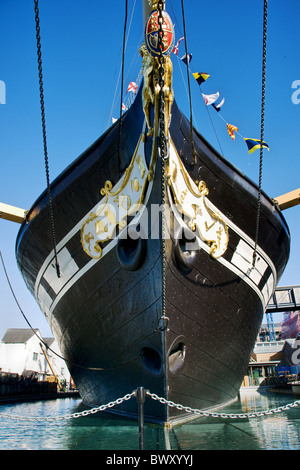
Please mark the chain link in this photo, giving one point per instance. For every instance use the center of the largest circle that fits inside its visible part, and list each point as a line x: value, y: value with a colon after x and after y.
x: 163, y: 148
x: 163, y: 401
x: 111, y: 404
x: 187, y: 409
x: 262, y: 126
x: 42, y: 103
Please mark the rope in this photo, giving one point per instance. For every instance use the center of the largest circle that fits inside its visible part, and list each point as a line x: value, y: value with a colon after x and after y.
x: 263, y: 96
x: 117, y: 82
x: 40, y: 69
x: 41, y: 340
x: 122, y: 80
x: 189, y: 87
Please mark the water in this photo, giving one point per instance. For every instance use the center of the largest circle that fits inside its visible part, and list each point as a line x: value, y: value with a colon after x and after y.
x: 103, y: 431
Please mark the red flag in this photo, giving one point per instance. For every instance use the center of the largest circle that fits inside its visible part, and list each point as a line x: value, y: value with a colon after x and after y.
x: 132, y: 87
x: 231, y: 130
x: 175, y: 50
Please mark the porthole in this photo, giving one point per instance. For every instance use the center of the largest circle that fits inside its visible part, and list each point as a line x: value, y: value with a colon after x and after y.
x: 151, y: 360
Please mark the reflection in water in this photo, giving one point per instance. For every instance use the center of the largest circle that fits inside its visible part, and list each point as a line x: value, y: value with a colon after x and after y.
x: 103, y: 431
x: 277, y: 431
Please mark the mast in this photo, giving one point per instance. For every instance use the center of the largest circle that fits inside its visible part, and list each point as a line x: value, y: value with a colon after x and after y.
x: 147, y: 8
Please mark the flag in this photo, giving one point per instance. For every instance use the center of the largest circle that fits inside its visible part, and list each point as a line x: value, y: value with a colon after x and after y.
x: 218, y: 106
x: 124, y: 108
x: 186, y: 58
x: 254, y: 144
x: 132, y: 87
x: 200, y: 77
x: 231, y: 130
x: 175, y: 50
x: 209, y: 99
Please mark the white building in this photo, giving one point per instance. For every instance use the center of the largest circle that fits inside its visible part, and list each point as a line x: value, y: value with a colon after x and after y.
x: 21, y: 351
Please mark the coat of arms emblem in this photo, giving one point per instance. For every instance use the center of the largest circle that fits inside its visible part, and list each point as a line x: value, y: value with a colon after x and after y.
x: 152, y: 34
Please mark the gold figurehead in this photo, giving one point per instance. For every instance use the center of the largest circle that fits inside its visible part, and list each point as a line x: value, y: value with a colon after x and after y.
x: 151, y: 87
x: 152, y: 61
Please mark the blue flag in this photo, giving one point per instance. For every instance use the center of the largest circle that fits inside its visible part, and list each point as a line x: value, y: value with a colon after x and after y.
x: 254, y: 144
x: 186, y: 58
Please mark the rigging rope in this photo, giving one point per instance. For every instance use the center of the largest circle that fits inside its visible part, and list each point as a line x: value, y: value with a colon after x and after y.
x: 263, y: 97
x: 40, y: 69
x: 42, y: 341
x: 189, y: 87
x: 108, y: 124
x: 122, y: 81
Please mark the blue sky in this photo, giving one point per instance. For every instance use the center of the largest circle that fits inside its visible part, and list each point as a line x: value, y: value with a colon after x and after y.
x: 82, y: 50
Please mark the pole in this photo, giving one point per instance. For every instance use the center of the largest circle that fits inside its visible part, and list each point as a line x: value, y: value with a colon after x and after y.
x: 140, y: 395
x: 55, y: 376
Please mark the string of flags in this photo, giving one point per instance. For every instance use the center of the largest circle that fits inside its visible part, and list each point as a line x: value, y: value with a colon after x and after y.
x: 175, y: 50
x: 254, y: 144
x: 132, y: 87
x: 210, y: 100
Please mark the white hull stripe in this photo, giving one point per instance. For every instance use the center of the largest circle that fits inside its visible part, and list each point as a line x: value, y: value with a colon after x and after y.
x: 240, y: 264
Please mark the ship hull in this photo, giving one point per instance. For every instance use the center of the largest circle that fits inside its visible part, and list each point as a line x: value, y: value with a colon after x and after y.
x: 167, y: 316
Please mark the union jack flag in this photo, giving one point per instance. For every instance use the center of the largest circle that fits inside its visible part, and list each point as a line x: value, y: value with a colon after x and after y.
x: 132, y: 87
x: 175, y: 50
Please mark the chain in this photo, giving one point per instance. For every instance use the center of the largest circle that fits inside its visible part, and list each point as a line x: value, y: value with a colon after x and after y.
x: 73, y: 415
x: 163, y: 401
x: 40, y: 69
x: 162, y: 135
x: 162, y: 146
x: 187, y: 409
x: 263, y: 98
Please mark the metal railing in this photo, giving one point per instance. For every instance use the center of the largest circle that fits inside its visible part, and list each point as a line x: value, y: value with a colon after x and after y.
x: 141, y: 394
x: 284, y: 299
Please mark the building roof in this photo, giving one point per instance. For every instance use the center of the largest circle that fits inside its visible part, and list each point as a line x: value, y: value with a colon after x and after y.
x: 268, y: 347
x: 18, y: 335
x: 48, y: 341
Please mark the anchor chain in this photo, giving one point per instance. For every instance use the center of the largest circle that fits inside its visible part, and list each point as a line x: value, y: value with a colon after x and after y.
x: 162, y: 146
x: 42, y: 103
x: 263, y: 99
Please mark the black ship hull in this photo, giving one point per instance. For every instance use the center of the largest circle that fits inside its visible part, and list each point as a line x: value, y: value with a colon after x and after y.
x: 169, y: 316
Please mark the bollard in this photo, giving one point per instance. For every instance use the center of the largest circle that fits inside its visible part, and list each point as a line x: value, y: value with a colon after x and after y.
x: 140, y: 395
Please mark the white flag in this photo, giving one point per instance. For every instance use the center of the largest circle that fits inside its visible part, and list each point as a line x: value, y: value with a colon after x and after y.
x: 209, y: 99
x: 132, y: 87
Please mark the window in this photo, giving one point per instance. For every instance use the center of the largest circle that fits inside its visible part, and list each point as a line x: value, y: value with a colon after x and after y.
x: 35, y: 356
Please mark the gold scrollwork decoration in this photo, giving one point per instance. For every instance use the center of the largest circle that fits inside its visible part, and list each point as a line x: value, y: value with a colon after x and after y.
x: 117, y: 203
x: 191, y: 200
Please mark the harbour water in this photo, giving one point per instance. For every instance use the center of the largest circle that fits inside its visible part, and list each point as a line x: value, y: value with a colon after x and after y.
x: 103, y: 431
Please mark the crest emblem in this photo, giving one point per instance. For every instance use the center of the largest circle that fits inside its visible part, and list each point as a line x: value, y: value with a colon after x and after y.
x: 152, y: 31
